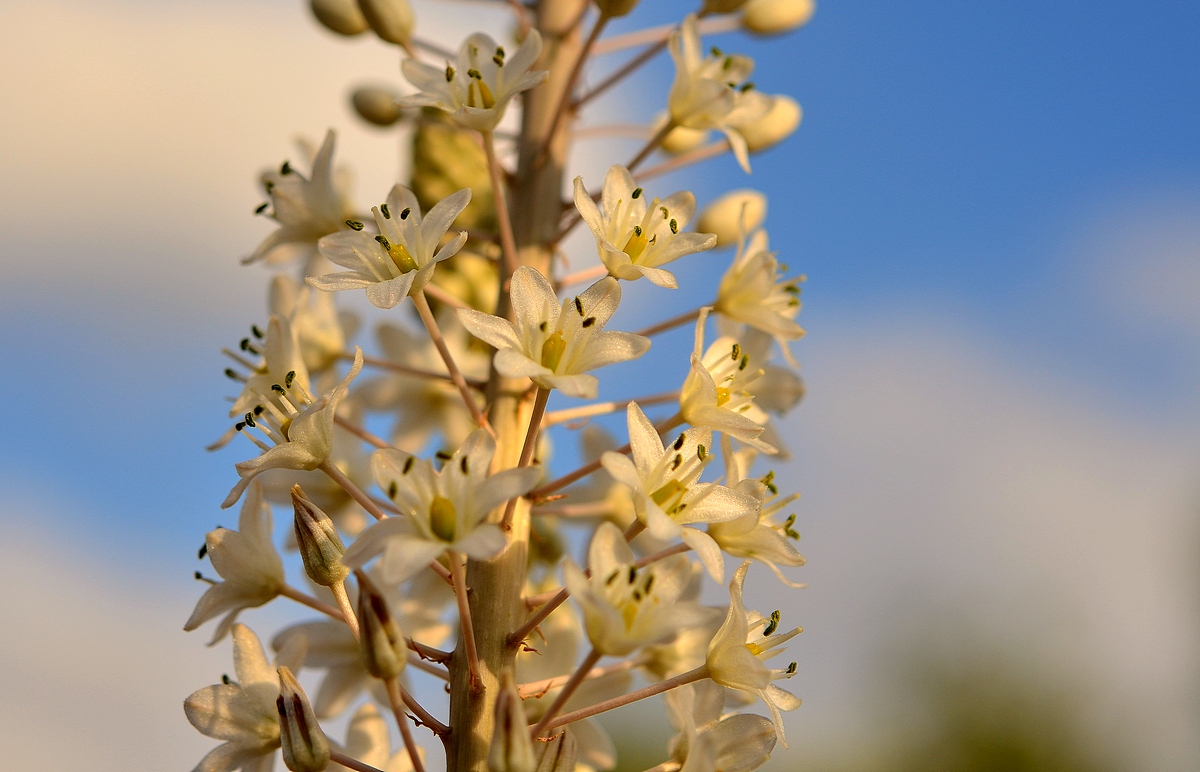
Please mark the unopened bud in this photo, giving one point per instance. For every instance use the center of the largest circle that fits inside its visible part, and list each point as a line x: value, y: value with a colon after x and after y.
x: 392, y: 20
x: 559, y: 754
x: 320, y: 546
x: 341, y: 16
x: 774, y: 17
x: 722, y: 6
x: 384, y: 650
x: 733, y: 213
x: 305, y: 746
x: 614, y: 8
x: 376, y: 105
x: 511, y: 750
x: 777, y: 125
x: 681, y: 139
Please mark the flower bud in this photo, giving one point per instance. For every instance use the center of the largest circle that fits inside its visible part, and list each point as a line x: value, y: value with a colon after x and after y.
x: 376, y: 105
x: 320, y: 546
x: 305, y: 746
x: 384, y: 650
x: 511, y: 750
x: 559, y: 754
x: 733, y: 213
x: 722, y: 6
x: 774, y: 17
x: 777, y: 125
x: 392, y: 20
x: 341, y: 16
x: 681, y: 139
x: 614, y: 8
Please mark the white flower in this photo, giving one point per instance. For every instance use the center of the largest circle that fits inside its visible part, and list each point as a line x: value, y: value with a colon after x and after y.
x: 280, y: 361
x: 402, y: 257
x: 478, y: 87
x: 738, y: 650
x: 624, y: 607
x: 756, y: 536
x: 444, y: 511
x: 634, y: 237
x: 686, y: 651
x: 712, y: 92
x: 733, y: 214
x: 306, y: 209
x: 424, y: 407
x: 303, y: 437
x: 417, y: 607
x: 667, y: 492
x: 717, y: 392
x: 552, y: 344
x: 241, y: 712
x: 706, y: 741
x: 314, y: 319
x: 246, y: 559
x: 753, y: 292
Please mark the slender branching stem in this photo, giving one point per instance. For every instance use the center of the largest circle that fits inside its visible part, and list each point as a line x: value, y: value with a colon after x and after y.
x: 414, y: 754
x: 642, y: 37
x: 683, y: 160
x: 428, y: 652
x: 343, y: 600
x: 604, y: 408
x: 587, y: 274
x: 362, y: 433
x: 621, y: 73
x: 670, y: 324
x: 437, y: 671
x: 650, y: 146
x: 527, y: 450
x: 458, y: 574
x: 539, y: 688
x: 396, y: 367
x: 662, y: 686
x: 439, y: 342
x: 564, y: 102
x: 304, y: 598
x: 398, y: 696
x: 352, y: 490
x: 444, y: 297
x: 508, y: 243
x: 583, y: 509
x: 350, y: 763
x: 572, y: 684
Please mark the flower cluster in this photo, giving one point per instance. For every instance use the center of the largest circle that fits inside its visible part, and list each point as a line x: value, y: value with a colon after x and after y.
x: 442, y: 540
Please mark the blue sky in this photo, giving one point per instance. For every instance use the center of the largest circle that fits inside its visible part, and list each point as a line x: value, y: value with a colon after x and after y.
x: 999, y: 195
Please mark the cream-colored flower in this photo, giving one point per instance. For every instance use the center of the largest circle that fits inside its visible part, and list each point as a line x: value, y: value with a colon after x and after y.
x: 718, y: 391
x: 667, y: 493
x: 477, y: 88
x: 756, y: 535
x: 625, y: 607
x: 246, y: 559
x: 707, y: 741
x: 302, y: 430
x: 737, y: 653
x: 713, y: 92
x: 733, y: 214
x: 556, y: 344
x: 280, y: 360
x: 441, y: 511
x: 305, y: 208
x: 242, y: 712
x: 367, y: 740
x: 635, y: 237
x: 754, y: 292
x: 766, y: 131
x: 687, y: 650
x: 773, y: 17
x: 314, y: 320
x: 402, y: 257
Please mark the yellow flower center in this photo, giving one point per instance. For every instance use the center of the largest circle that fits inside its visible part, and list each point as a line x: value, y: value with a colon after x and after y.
x: 636, y: 244
x: 478, y: 93
x: 443, y: 519
x: 672, y: 489
x: 552, y: 350
x: 402, y: 258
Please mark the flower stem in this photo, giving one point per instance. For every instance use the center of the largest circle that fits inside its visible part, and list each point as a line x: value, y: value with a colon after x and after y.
x: 350, y: 763
x: 711, y: 150
x: 603, y: 408
x: 621, y: 73
x: 435, y: 333
x: 396, y: 367
x: 508, y: 244
x: 662, y: 686
x: 343, y: 601
x: 399, y: 698
x: 538, y: 688
x: 572, y: 684
x: 672, y: 323
x: 356, y: 493
x: 650, y: 146
x: 459, y: 575
x: 579, y: 277
x: 303, y: 598
x: 662, y: 32
x: 527, y: 450
x: 362, y: 433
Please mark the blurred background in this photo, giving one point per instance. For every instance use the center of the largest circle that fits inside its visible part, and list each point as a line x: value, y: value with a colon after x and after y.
x: 997, y: 205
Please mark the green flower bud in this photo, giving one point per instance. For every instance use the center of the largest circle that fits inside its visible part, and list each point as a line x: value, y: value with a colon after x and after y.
x: 511, y: 749
x: 384, y: 650
x: 392, y: 20
x: 305, y: 746
x: 774, y: 17
x: 376, y: 105
x: 320, y: 546
x: 340, y: 16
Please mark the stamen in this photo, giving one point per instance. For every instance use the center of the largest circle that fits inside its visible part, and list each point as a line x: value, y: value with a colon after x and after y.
x: 405, y: 213
x: 261, y: 207
x: 286, y: 168
x: 463, y: 465
x: 241, y: 427
x: 392, y: 489
x: 701, y: 452
x: 449, y: 73
x: 579, y: 305
x: 674, y: 226
x: 679, y: 442
x: 355, y: 225
x: 203, y: 551
x: 589, y: 321
x: 637, y: 193
x: 386, y: 214
x: 408, y: 464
